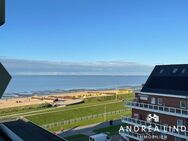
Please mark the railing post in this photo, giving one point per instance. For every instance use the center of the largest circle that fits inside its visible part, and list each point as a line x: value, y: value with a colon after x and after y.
x: 158, y: 108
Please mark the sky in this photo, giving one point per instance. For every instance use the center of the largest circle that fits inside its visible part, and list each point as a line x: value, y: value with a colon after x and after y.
x: 141, y: 33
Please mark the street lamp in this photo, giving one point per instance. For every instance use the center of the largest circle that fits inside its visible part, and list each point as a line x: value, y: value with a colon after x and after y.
x: 2, y: 12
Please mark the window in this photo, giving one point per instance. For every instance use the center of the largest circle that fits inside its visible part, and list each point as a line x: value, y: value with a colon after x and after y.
x: 178, y: 139
x: 142, y: 97
x: 183, y: 71
x: 161, y: 71
x: 136, y: 115
x: 182, y: 104
x: 153, y: 100
x: 160, y: 101
x: 179, y: 122
x: 175, y: 70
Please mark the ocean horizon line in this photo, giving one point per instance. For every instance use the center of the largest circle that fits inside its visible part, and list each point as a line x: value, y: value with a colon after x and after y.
x: 78, y: 75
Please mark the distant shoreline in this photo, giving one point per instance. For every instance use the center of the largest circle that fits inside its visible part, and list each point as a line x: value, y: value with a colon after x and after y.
x: 76, y: 75
x: 58, y: 91
x: 63, y: 99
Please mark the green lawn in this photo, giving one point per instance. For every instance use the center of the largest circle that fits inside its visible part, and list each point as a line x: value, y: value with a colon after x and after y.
x: 111, y: 130
x: 91, y: 121
x: 42, y: 114
x: 23, y: 109
x: 47, y: 118
x: 38, y: 109
x: 92, y: 107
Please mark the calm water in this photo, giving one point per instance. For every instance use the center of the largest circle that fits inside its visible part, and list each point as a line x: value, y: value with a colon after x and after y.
x: 24, y: 84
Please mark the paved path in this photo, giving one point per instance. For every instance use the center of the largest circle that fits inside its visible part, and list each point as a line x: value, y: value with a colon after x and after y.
x: 88, y: 130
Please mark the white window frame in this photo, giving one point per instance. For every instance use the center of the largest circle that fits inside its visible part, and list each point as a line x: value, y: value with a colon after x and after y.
x: 158, y: 101
x: 143, y: 97
x: 153, y: 100
x: 181, y: 104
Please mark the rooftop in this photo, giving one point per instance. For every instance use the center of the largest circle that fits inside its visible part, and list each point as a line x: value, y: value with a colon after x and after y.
x: 168, y: 79
x: 27, y: 131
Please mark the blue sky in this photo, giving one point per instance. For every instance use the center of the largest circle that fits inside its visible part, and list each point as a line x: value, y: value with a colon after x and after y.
x: 145, y: 32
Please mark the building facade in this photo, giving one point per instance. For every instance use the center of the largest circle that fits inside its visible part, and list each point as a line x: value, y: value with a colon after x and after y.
x: 160, y: 109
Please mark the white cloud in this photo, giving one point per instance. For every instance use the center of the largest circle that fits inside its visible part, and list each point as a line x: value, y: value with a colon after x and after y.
x: 29, y: 67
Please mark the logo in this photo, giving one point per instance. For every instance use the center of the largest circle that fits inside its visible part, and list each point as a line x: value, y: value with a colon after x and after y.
x: 152, y: 117
x: 148, y: 131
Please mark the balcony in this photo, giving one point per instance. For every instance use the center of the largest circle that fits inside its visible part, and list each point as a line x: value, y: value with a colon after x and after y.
x: 132, y: 135
x: 162, y: 128
x: 158, y: 109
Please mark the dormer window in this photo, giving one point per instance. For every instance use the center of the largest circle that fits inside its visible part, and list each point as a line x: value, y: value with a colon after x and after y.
x: 161, y: 71
x: 175, y: 70
x: 184, y: 70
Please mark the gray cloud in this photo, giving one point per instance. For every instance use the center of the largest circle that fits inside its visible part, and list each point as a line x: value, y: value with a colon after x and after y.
x: 29, y: 67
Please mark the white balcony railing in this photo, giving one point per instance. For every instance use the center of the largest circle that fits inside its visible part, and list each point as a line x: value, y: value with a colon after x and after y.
x: 158, y: 109
x: 132, y: 135
x: 165, y: 129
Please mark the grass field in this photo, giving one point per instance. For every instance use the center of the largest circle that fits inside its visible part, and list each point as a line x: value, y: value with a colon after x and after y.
x: 35, y: 109
x: 111, y: 130
x: 42, y: 114
x: 23, y: 109
x: 91, y: 121
x: 75, y: 113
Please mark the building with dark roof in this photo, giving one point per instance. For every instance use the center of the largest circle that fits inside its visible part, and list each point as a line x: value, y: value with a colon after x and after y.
x: 20, y: 130
x: 162, y: 103
x: 168, y: 79
x: 5, y: 78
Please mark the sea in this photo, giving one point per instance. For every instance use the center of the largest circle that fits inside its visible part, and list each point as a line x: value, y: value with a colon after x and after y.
x: 47, y: 84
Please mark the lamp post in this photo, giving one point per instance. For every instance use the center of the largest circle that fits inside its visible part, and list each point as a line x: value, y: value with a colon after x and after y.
x: 105, y: 113
x: 2, y: 12
x: 116, y: 93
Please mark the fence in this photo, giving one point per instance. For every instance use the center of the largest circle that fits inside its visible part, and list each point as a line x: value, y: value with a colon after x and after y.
x: 76, y: 120
x: 8, y: 119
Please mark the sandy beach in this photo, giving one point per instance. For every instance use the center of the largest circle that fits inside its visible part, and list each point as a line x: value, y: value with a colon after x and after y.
x: 66, y: 98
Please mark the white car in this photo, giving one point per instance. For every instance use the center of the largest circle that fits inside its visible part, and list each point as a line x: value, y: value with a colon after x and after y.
x: 99, y: 137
